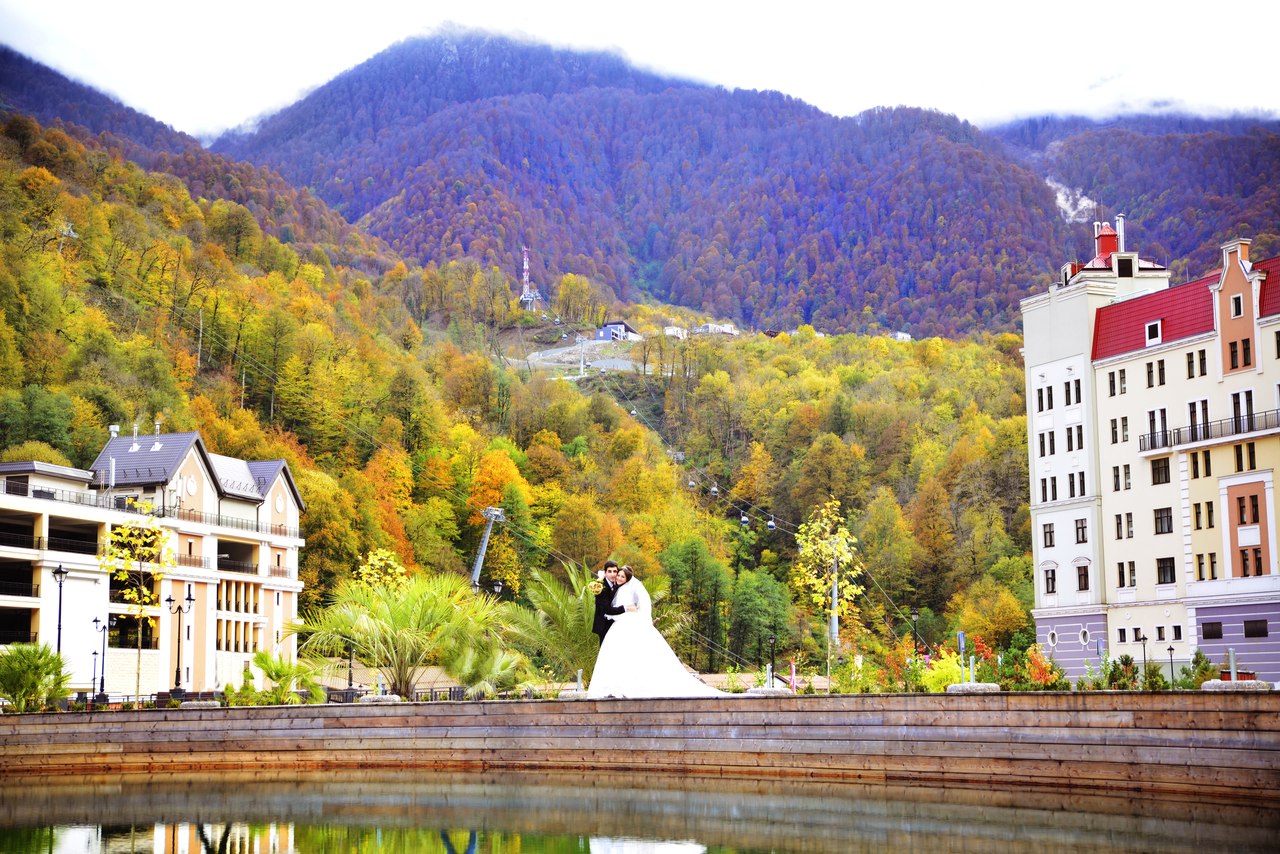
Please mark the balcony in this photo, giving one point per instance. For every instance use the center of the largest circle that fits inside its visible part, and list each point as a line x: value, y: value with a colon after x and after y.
x: 105, y: 502
x: 237, y: 566
x: 17, y: 637
x: 1258, y: 422
x: 17, y: 588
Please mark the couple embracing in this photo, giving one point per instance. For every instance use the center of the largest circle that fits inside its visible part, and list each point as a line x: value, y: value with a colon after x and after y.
x: 634, y: 659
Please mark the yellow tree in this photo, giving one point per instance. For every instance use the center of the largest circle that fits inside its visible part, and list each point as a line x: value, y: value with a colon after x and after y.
x: 137, y: 556
x: 827, y: 547
x: 989, y: 610
x: 380, y: 567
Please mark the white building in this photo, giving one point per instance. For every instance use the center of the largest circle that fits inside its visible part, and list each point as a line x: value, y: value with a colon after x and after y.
x: 231, y: 524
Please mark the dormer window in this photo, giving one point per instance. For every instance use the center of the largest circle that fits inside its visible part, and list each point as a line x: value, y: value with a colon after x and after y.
x: 1237, y: 305
x: 1124, y: 268
x: 1153, y: 333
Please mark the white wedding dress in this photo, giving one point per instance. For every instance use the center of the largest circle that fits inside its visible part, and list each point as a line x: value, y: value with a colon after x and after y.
x: 635, y: 660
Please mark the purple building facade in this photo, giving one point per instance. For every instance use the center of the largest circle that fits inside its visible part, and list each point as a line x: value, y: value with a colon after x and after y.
x: 1252, y: 629
x: 1075, y: 642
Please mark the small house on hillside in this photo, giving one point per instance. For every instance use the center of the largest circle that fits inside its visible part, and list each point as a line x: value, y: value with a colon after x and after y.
x: 617, y: 330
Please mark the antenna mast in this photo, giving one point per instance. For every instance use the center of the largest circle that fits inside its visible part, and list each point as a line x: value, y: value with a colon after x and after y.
x: 529, y: 295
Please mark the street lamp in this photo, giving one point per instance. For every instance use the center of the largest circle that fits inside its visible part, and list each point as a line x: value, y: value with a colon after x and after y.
x: 103, y: 627
x: 1143, y: 639
x: 179, y: 608
x: 915, y: 638
x: 95, y: 670
x: 1170, y: 665
x: 773, y: 640
x: 59, y: 575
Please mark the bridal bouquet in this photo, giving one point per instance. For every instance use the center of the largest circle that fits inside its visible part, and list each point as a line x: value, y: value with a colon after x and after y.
x: 597, y: 585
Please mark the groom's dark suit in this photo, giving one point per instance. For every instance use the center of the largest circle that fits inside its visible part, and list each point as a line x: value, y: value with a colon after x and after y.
x: 604, y: 606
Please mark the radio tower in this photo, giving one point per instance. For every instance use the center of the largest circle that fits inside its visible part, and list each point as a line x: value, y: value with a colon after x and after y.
x: 529, y: 296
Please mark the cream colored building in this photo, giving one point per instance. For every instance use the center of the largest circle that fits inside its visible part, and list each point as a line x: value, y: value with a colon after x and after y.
x: 232, y: 527
x: 1153, y: 431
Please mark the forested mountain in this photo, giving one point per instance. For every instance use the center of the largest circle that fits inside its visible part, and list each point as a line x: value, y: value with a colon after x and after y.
x: 747, y: 205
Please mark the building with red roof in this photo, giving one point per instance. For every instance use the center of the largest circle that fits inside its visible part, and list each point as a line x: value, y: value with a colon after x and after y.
x: 1153, y: 421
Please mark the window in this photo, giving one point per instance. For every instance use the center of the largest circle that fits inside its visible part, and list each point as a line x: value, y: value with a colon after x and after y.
x: 1253, y: 456
x: 1191, y: 365
x: 1126, y: 475
x: 1050, y: 580
x: 1164, y: 520
x: 1246, y: 350
x: 1039, y: 400
x: 1079, y: 437
x: 1076, y: 383
x: 1053, y: 488
x: 1213, y: 563
x: 1196, y: 508
x: 1153, y: 332
x: 1052, y: 638
x: 1133, y: 575
x: 1048, y: 397
x: 1111, y: 375
x: 1122, y: 637
x: 1120, y: 576
x: 1234, y: 350
x: 1208, y: 514
x: 1203, y: 361
x: 1066, y: 393
x: 1177, y: 632
x: 1160, y: 470
x: 1237, y: 305
x: 1159, y: 633
x: 1255, y: 628
x: 1151, y: 374
x: 1082, y: 532
x: 1208, y: 470
x: 1164, y: 573
x: 1253, y: 508
x: 1128, y: 526
x: 1119, y: 527
x: 1080, y: 478
x: 1211, y: 631
x: 1257, y: 561
x: 1115, y: 431
x: 1124, y: 429
x: 1082, y: 577
x: 1200, y: 567
x: 1048, y: 535
x: 1044, y: 490
x: 1195, y: 465
x: 1240, y: 508
x: 1084, y: 637
x: 1122, y: 381
x: 1115, y: 478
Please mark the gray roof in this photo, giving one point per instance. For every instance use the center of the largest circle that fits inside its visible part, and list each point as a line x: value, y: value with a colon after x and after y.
x: 150, y: 459
x: 153, y: 460
x: 52, y: 469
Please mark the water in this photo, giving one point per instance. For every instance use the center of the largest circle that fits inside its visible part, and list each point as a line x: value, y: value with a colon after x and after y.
x: 423, y: 811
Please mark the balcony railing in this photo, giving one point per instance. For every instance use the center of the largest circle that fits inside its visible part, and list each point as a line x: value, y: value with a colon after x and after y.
x: 1234, y: 426
x: 193, y: 560
x: 16, y: 588
x: 237, y: 566
x: 111, y: 502
x: 279, y: 572
x: 17, y: 637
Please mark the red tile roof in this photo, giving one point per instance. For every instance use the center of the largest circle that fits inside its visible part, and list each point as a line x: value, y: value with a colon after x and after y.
x: 1184, y: 310
x: 1269, y: 301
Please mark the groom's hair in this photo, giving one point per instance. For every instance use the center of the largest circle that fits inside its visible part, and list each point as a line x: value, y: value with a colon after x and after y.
x: 610, y: 564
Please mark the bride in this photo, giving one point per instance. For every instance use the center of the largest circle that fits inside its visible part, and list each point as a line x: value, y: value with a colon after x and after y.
x: 634, y: 659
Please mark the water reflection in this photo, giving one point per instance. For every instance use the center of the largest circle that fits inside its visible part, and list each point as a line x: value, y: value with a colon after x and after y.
x: 507, y: 813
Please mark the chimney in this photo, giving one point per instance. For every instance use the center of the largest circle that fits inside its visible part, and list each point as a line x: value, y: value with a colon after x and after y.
x: 157, y: 428
x: 135, y: 444
x: 1120, y: 230
x: 1106, y: 240
x: 1097, y: 226
x: 114, y: 430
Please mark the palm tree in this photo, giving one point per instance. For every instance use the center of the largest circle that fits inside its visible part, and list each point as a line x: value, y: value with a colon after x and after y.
x: 32, y: 676
x: 557, y: 630
x: 287, y: 679
x: 402, y: 629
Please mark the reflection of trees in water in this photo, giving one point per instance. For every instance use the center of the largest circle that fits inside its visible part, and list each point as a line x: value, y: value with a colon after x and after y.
x: 26, y: 840
x: 202, y: 831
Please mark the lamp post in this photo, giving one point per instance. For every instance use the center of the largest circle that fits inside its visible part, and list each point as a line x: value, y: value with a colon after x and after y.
x: 103, y: 627
x: 1170, y: 665
x: 1144, y: 654
x: 773, y: 640
x: 179, y: 608
x: 915, y: 638
x: 95, y: 671
x: 59, y: 575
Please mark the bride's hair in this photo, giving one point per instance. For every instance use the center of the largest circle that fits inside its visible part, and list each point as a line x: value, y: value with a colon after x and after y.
x: 628, y: 572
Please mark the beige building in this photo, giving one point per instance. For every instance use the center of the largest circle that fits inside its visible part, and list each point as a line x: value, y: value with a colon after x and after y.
x: 231, y: 527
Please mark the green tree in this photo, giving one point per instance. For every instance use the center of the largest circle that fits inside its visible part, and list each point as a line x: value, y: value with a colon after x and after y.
x: 703, y: 586
x: 32, y: 676
x: 555, y: 630
x: 433, y: 620
x: 287, y: 678
x: 761, y: 607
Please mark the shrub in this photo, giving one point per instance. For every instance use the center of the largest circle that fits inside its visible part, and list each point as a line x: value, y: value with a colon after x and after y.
x: 32, y: 677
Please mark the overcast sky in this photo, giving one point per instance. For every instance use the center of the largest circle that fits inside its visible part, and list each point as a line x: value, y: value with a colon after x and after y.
x: 205, y: 67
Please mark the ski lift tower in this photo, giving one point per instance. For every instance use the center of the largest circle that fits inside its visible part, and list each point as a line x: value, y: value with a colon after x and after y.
x: 529, y: 295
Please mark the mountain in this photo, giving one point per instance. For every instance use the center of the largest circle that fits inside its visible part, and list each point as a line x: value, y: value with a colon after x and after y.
x: 748, y: 205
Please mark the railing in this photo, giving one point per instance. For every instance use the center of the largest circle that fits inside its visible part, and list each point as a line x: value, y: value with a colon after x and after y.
x: 279, y: 572
x: 237, y: 566
x: 21, y: 541
x: 80, y: 547
x: 112, y: 502
x: 193, y: 560
x: 1234, y: 426
x: 17, y: 637
x: 15, y: 588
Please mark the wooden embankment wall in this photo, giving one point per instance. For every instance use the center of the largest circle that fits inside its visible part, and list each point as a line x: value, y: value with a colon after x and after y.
x: 1219, y: 744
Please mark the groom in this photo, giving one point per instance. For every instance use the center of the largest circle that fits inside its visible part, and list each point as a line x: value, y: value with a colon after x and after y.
x: 604, y: 601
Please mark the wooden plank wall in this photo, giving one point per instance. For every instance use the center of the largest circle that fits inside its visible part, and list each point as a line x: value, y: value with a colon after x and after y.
x: 1152, y: 742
